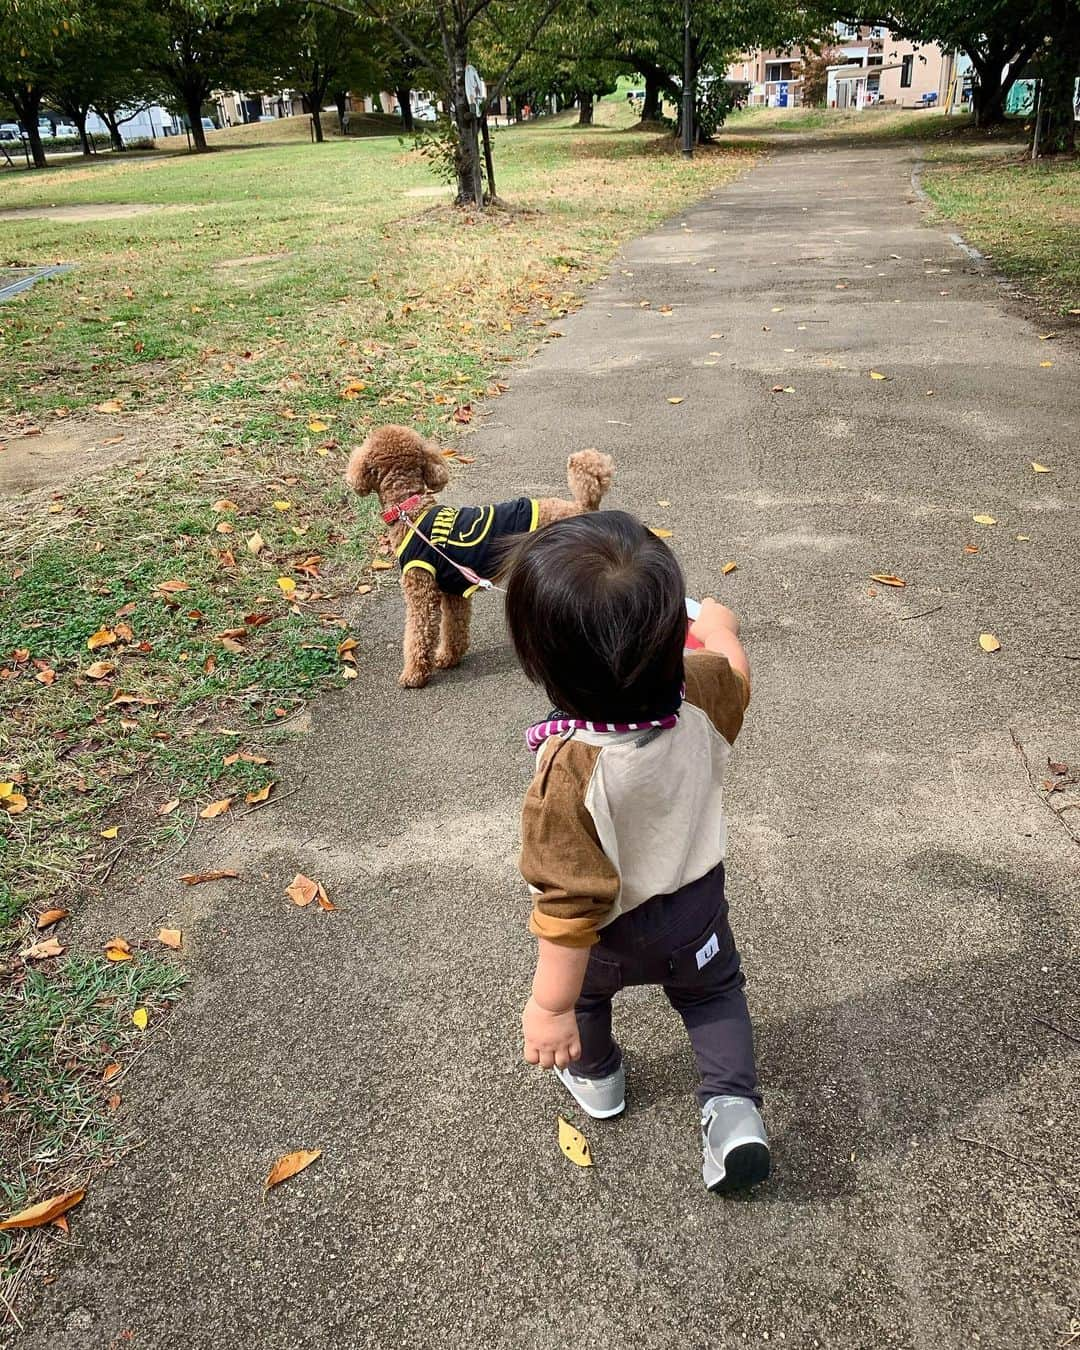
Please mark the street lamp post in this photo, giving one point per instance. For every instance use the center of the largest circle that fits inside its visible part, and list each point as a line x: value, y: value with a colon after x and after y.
x: 687, y: 86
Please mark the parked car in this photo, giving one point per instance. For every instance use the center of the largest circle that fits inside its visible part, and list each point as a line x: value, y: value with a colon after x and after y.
x: 66, y: 129
x: 10, y: 131
x: 265, y: 118
x: 208, y: 125
x: 44, y: 127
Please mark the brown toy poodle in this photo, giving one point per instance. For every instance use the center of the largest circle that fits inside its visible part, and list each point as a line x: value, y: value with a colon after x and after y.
x: 399, y: 464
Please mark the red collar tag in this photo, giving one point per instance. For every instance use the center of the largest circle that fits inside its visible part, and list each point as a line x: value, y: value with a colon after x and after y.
x: 393, y: 513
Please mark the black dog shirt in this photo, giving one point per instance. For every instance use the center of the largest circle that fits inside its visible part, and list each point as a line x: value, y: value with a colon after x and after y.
x: 465, y: 534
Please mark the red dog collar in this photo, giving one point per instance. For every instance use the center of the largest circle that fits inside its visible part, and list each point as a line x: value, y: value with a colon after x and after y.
x: 393, y: 513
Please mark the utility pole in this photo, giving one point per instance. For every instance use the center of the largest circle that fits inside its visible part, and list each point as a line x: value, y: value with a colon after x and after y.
x: 687, y: 85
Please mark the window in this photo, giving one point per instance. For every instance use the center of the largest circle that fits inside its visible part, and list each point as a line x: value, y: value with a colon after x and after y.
x: 873, y: 60
x: 905, y: 71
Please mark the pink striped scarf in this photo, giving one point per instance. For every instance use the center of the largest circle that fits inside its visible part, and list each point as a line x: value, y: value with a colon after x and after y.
x: 536, y: 735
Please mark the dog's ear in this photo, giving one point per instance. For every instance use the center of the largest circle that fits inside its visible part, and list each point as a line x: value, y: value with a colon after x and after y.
x: 434, y: 468
x: 358, y: 472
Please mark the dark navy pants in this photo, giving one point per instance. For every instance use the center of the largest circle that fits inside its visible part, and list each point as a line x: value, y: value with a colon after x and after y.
x: 682, y: 942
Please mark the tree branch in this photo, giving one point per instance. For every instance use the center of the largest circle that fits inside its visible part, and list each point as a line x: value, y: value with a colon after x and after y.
x: 501, y: 83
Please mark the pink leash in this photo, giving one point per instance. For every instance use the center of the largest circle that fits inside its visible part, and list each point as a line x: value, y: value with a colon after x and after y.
x: 402, y: 512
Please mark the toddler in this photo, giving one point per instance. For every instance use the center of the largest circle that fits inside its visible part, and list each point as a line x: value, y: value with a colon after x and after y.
x: 623, y: 826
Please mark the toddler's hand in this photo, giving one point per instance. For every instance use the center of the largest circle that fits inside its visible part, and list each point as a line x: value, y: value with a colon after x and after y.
x: 714, y: 618
x: 551, y: 1038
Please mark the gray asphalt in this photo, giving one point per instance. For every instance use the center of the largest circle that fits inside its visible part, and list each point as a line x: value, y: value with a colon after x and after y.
x: 904, y: 901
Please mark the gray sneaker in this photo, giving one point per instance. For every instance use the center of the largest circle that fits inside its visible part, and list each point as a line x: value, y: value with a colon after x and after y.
x: 734, y: 1144
x: 597, y: 1097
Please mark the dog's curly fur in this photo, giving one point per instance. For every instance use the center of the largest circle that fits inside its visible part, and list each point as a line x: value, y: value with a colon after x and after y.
x: 397, y: 463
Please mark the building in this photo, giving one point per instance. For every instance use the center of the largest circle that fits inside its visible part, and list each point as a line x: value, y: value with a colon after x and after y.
x: 775, y: 78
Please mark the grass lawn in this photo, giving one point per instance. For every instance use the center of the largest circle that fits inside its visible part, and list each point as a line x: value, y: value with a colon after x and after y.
x: 161, y: 618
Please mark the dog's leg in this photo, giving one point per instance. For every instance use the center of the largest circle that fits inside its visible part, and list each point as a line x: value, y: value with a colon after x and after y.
x: 454, y: 634
x: 421, y: 627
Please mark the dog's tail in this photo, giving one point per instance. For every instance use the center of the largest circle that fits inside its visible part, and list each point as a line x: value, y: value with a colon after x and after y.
x: 589, y: 473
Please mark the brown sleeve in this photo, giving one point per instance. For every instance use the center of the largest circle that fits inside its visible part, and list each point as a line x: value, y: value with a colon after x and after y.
x: 718, y: 691
x: 561, y: 857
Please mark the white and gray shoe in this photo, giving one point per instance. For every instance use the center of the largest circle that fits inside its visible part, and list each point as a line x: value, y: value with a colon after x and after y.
x: 734, y: 1144
x: 600, y: 1098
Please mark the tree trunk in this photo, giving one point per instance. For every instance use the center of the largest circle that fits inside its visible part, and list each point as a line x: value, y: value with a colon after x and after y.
x: 314, y: 100
x: 650, y: 109
x: 108, y: 116
x: 404, y: 98
x: 585, y: 104
x: 339, y: 103
x: 1060, y: 67
x: 87, y: 148
x: 193, y: 107
x: 467, y: 151
x: 27, y: 105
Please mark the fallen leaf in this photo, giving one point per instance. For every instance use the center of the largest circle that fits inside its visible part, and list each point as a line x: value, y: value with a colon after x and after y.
x: 984, y: 520
x: 662, y: 502
x: 140, y: 1017
x: 1046, y: 337
x: 316, y: 425
x: 289, y: 1164
x: 197, y: 878
x: 877, y: 375
x: 364, y: 590
x: 104, y: 637
x: 167, y: 808
x: 661, y: 533
x: 887, y: 579
x: 675, y: 400
x: 988, y: 642
x: 41, y: 951
x: 282, y: 505
x: 217, y: 808
x: 111, y: 405
x: 14, y: 803
x: 574, y: 1144
x: 99, y: 669
x: 1039, y: 468
x: 118, y: 949
x: 970, y: 548
x: 170, y: 937
x: 109, y: 1071
x: 324, y: 900
x: 173, y: 587
x: 43, y: 1212
x: 728, y: 568
x: 286, y: 585
x: 1023, y: 538
x: 223, y: 504
x: 260, y: 794
x: 302, y: 890
x: 381, y: 565
x: 50, y: 917
x: 114, y: 1101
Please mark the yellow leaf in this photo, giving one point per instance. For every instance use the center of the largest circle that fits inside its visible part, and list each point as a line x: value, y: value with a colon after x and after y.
x: 316, y: 425
x: 877, y: 375
x: 43, y: 1212
x: 1023, y: 538
x: 290, y: 1163
x: 118, y: 949
x: 260, y: 794
x: 988, y: 642
x: 171, y: 937
x: 675, y: 400
x: 574, y: 1144
x: 287, y: 585
x: 984, y: 520
x: 14, y: 803
x: 282, y: 506
x: 104, y: 637
x: 217, y: 808
x: 6, y: 789
x: 140, y: 1017
x: 661, y: 533
x: 662, y: 502
x: 111, y: 832
x: 99, y: 669
x: 1039, y: 468
x: 1046, y: 364
x: 887, y: 579
x: 728, y: 568
x: 381, y: 565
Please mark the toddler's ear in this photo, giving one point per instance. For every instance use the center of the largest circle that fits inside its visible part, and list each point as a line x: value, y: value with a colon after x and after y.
x: 358, y: 473
x: 434, y: 469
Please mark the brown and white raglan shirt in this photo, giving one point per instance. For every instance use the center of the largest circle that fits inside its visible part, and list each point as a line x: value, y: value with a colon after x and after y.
x: 613, y: 819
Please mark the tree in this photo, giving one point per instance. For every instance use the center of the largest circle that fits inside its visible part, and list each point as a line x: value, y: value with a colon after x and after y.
x: 1058, y: 64
x: 30, y: 31
x: 202, y: 45
x: 315, y: 50
x: 815, y: 75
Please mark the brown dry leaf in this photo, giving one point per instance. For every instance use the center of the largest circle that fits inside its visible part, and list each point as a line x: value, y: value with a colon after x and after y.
x: 289, y: 1164
x: 1040, y: 468
x: 43, y: 1212
x: 42, y: 951
x: 14, y: 803
x: 381, y: 565
x: 167, y: 808
x: 260, y: 794
x: 111, y: 405
x: 364, y: 590
x: 109, y: 1071
x: 197, y: 878
x: 50, y: 917
x: 112, y: 440
x: 114, y: 1102
x: 223, y: 504
x: 887, y: 579
x: 728, y: 568
x: 173, y: 587
x: 62, y: 1224
x: 324, y: 900
x: 970, y: 548
x: 989, y: 643
x: 171, y: 937
x: 46, y: 676
x: 98, y: 670
x: 104, y: 637
x: 118, y: 949
x: 217, y: 808
x: 302, y: 890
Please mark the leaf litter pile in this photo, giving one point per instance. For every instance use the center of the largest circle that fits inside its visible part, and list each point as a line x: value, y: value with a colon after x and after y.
x: 161, y: 623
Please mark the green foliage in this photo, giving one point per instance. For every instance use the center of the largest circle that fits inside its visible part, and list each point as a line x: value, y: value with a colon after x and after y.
x: 437, y: 143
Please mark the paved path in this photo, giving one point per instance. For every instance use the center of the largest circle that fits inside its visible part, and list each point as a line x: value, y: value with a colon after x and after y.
x: 902, y: 898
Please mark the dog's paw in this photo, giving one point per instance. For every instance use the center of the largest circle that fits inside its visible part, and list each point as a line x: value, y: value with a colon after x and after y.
x: 447, y: 660
x: 413, y: 679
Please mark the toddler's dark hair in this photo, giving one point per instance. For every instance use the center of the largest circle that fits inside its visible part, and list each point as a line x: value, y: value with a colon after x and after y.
x: 596, y: 606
